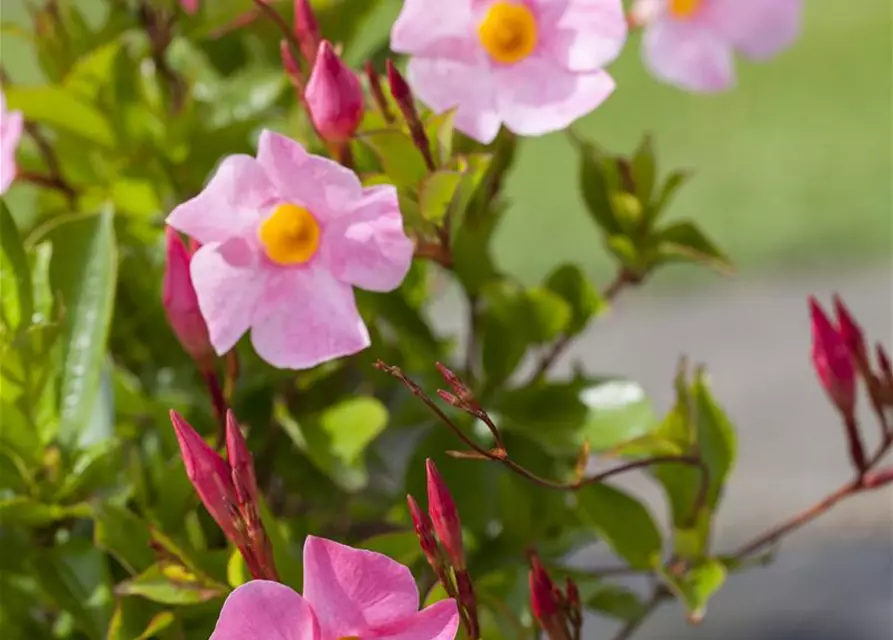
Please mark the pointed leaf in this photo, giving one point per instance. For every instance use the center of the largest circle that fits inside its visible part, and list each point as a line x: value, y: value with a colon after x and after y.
x: 16, y: 301
x: 685, y: 241
x: 569, y: 282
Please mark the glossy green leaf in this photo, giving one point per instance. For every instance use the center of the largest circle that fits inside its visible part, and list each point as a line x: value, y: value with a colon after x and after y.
x: 123, y: 534
x: 16, y: 301
x: 616, y: 601
x: 474, y: 169
x: 83, y: 271
x: 569, y: 282
x: 58, y: 107
x: 622, y: 522
x: 237, y: 572
x: 399, y: 157
x: 546, y: 314
x: 685, y: 241
x: 697, y: 586
x: 171, y: 584
x: 596, y: 189
x: 436, y: 193
x: 618, y: 411
x: 717, y: 441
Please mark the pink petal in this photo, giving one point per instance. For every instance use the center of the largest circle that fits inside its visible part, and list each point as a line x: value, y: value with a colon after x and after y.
x: 267, y: 611
x: 583, y: 35
x: 368, y: 248
x: 305, y: 317
x: 440, y: 621
x: 352, y: 590
x: 758, y: 28
x: 232, y: 200
x: 228, y: 281
x: 443, y: 84
x: 11, y: 123
x: 537, y: 96
x: 322, y: 185
x: 688, y: 55
x: 435, y: 30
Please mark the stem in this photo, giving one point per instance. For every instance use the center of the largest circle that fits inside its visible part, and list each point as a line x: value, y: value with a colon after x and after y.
x: 657, y: 598
x: 54, y: 179
x: 218, y: 404
x: 856, y: 448
x: 280, y: 22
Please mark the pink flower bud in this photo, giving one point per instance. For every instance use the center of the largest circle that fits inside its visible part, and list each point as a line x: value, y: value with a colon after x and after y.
x: 425, y: 532
x: 240, y: 462
x: 832, y: 361
x: 444, y: 516
x: 399, y: 89
x: 334, y: 97
x: 211, y: 477
x: 292, y: 69
x: 181, y: 303
x: 849, y: 331
x: 545, y: 606
x: 886, y: 374
x: 307, y: 30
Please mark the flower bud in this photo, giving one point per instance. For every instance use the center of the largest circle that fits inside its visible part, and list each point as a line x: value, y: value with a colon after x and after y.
x: 545, y: 601
x: 399, y: 89
x: 181, y: 303
x: 425, y: 532
x: 307, y: 30
x: 292, y: 69
x: 850, y: 332
x: 240, y: 462
x: 832, y: 361
x: 334, y: 97
x: 444, y: 516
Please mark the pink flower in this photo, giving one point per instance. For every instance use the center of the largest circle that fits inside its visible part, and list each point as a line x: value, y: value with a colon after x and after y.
x: 181, y: 303
x: 11, y: 124
x: 348, y: 593
x: 334, y: 97
x: 285, y: 238
x: 690, y: 43
x: 533, y: 65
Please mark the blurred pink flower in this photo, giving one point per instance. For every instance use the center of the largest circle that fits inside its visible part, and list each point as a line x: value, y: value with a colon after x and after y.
x: 11, y: 124
x: 348, y: 593
x: 691, y: 43
x: 533, y: 65
x: 285, y: 238
x: 189, y: 6
x: 334, y: 96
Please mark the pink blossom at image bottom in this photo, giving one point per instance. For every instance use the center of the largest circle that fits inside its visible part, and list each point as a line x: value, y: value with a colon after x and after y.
x: 347, y: 593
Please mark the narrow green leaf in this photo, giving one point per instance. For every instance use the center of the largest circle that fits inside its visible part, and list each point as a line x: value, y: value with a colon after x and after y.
x: 670, y: 186
x: 399, y: 157
x: 124, y: 535
x: 439, y: 129
x: 27, y: 512
x: 697, y: 586
x: 685, y: 241
x: 59, y: 107
x: 474, y: 169
x: 569, y: 282
x: 16, y: 301
x: 717, y: 441
x: 436, y: 193
x: 171, y: 584
x: 644, y: 168
x: 595, y: 188
x: 83, y: 271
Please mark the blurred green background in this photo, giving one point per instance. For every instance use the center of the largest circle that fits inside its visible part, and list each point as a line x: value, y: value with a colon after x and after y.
x: 793, y: 167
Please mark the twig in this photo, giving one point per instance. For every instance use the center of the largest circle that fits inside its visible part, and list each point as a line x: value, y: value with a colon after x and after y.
x: 218, y: 403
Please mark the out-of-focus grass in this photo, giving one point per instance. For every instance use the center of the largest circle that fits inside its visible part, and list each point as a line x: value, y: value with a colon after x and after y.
x: 792, y: 168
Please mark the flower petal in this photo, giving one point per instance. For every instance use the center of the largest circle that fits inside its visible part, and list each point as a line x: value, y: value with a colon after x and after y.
x: 369, y: 248
x: 688, y: 55
x: 305, y: 317
x: 440, y: 621
x: 265, y: 610
x: 443, y: 84
x: 584, y: 35
x: 228, y: 280
x: 232, y: 200
x: 325, y: 187
x: 537, y: 96
x: 10, y: 134
x: 757, y: 28
x: 435, y: 30
x: 352, y: 590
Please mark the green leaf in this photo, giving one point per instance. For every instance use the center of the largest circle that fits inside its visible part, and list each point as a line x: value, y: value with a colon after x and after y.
x: 58, y: 107
x: 618, y: 410
x: 171, y: 584
x: 546, y: 314
x: 27, y: 512
x: 16, y: 301
x: 504, y: 338
x: 439, y: 129
x: 83, y: 271
x: 685, y: 241
x: 133, y: 620
x: 474, y: 169
x: 622, y: 522
x: 675, y: 180
x: 596, y: 189
x: 124, y: 535
x: 399, y: 157
x: 237, y: 572
x: 472, y: 260
x: 616, y: 601
x: 644, y: 168
x: 402, y: 546
x: 436, y: 193
x: 626, y: 252
x: 569, y: 282
x: 697, y: 586
x: 717, y: 441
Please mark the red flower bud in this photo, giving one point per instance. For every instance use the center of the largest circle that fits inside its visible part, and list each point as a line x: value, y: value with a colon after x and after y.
x: 832, y: 360
x: 181, y: 303
x: 240, y: 462
x: 334, y: 97
x: 850, y: 332
x: 307, y: 30
x: 399, y: 89
x: 545, y: 605
x: 444, y: 516
x: 425, y: 532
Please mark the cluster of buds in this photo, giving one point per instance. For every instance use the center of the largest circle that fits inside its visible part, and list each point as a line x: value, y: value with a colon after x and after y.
x: 228, y: 489
x: 447, y: 558
x: 841, y: 358
x: 558, y: 612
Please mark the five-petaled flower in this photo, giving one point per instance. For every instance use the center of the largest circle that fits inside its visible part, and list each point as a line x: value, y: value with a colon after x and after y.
x: 691, y: 43
x: 533, y: 65
x: 285, y: 238
x: 11, y: 124
x: 348, y: 593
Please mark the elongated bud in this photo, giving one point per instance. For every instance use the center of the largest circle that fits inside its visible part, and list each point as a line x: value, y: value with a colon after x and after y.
x: 444, y: 516
x: 289, y: 63
x: 399, y: 89
x: 545, y: 605
x: 403, y: 96
x: 334, y: 97
x: 181, y: 304
x: 850, y: 332
x: 463, y: 393
x: 211, y: 477
x: 832, y: 361
x: 425, y: 533
x: 240, y: 462
x: 377, y: 93
x: 307, y: 30
x: 886, y: 374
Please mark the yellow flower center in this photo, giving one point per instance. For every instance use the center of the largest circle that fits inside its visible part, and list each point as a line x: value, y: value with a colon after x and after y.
x: 508, y: 32
x: 684, y: 9
x: 290, y: 235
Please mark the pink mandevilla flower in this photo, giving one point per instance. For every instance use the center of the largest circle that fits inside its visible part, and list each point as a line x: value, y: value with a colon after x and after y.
x: 691, y: 43
x: 285, y: 238
x: 533, y: 65
x: 11, y: 124
x: 348, y: 593
x: 189, y: 6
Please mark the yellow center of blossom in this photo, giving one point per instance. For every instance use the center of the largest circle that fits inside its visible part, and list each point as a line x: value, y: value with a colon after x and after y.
x: 684, y: 8
x: 508, y: 32
x: 290, y: 235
